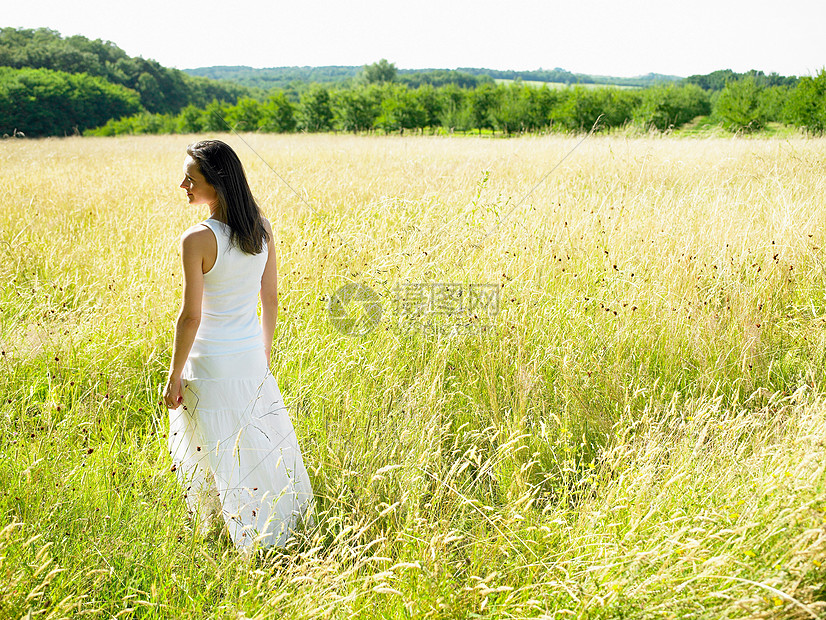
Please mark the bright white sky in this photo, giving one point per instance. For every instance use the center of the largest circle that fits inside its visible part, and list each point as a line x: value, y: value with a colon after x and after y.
x: 603, y: 37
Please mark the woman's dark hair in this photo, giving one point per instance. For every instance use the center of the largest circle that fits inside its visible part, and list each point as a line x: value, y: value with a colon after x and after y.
x: 223, y: 170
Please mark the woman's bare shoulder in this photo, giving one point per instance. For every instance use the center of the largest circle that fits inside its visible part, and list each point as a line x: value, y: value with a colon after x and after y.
x: 197, y: 237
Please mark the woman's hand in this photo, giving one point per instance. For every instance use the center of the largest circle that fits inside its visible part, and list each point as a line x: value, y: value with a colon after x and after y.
x: 173, y: 395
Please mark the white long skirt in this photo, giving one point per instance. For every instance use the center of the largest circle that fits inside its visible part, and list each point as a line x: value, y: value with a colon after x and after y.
x: 234, y: 449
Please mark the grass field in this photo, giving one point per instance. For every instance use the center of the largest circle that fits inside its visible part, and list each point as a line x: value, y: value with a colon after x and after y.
x: 638, y: 433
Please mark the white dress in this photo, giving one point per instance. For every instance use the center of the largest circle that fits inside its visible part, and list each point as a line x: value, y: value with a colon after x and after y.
x: 232, y: 442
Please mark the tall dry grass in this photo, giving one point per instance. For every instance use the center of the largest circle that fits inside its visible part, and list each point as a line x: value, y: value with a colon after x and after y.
x: 638, y: 434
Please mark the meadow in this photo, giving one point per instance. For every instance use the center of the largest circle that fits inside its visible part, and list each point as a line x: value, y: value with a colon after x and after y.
x: 637, y: 431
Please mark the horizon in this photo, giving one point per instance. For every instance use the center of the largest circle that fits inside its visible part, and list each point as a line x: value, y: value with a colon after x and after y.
x: 442, y: 69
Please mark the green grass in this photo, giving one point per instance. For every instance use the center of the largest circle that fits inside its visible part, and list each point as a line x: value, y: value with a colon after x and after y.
x: 640, y: 435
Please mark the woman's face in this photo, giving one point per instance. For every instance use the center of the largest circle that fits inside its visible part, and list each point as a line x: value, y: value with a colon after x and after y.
x: 198, y: 191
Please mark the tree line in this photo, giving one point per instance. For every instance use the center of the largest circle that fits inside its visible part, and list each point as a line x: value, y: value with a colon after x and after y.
x: 744, y: 105
x: 295, y: 80
x: 717, y: 80
x: 390, y: 107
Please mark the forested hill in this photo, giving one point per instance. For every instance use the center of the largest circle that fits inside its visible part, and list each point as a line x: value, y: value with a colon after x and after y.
x: 160, y: 89
x: 466, y: 77
x: 277, y: 77
x: 299, y: 78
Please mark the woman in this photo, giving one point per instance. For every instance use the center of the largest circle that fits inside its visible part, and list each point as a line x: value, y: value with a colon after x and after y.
x: 232, y: 443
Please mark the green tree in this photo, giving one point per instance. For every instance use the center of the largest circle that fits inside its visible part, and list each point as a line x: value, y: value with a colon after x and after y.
x: 542, y: 101
x: 215, y: 116
x: 400, y: 110
x: 513, y: 108
x: 277, y: 114
x: 453, y: 114
x: 150, y: 91
x: 356, y: 108
x: 579, y: 109
x: 806, y: 105
x: 314, y: 111
x: 773, y: 101
x: 668, y: 107
x: 430, y: 103
x: 143, y: 123
x: 738, y: 106
x: 481, y: 103
x: 42, y: 102
x: 190, y: 120
x: 245, y: 115
x: 379, y: 72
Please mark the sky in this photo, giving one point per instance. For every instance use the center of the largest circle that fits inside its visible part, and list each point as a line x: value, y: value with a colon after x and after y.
x: 599, y: 37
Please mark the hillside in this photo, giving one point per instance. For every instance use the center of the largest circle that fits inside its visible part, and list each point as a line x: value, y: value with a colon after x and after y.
x: 468, y: 77
x: 276, y: 77
x: 160, y: 89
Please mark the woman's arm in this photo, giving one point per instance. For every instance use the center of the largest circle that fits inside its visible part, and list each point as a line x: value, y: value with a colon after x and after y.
x: 269, y: 295
x: 194, y: 244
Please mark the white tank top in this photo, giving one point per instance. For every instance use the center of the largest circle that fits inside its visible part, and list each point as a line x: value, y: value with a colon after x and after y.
x: 229, y: 311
